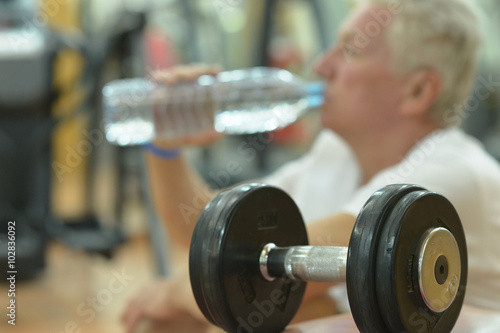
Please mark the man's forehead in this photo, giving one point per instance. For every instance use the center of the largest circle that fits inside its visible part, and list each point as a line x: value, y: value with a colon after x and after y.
x: 360, y: 21
x: 357, y: 19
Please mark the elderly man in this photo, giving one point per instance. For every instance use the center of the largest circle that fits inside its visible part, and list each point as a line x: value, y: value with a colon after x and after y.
x: 397, y: 86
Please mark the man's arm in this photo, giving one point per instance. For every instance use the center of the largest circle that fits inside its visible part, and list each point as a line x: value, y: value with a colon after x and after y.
x: 179, y: 195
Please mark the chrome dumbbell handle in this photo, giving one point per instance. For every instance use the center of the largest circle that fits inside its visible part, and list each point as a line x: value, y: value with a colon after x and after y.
x: 305, y: 263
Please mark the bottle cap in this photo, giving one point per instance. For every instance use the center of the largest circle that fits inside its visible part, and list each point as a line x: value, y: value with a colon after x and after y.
x: 315, y: 92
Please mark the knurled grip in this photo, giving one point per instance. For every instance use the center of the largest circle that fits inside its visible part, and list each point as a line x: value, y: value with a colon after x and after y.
x: 306, y: 263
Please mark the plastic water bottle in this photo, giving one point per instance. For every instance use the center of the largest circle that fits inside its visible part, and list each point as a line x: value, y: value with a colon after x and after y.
x: 243, y: 101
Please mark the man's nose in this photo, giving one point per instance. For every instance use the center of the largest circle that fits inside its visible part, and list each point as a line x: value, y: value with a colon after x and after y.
x: 326, y: 64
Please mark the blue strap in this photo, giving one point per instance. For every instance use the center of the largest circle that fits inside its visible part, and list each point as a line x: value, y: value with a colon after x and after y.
x: 167, y: 154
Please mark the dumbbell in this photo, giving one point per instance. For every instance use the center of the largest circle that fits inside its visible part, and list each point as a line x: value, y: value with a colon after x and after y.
x: 405, y: 267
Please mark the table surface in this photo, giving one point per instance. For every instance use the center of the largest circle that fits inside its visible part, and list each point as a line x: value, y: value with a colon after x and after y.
x: 471, y: 320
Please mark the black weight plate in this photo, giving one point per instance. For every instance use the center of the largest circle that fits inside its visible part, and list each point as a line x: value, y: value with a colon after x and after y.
x: 224, y: 259
x: 210, y: 216
x: 362, y: 254
x: 400, y: 300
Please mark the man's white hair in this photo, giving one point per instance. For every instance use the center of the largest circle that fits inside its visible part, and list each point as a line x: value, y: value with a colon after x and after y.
x: 441, y: 35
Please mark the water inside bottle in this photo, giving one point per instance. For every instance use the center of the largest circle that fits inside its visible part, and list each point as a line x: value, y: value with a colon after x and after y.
x: 131, y: 131
x: 155, y: 112
x: 259, y: 106
x: 127, y: 115
x: 259, y: 117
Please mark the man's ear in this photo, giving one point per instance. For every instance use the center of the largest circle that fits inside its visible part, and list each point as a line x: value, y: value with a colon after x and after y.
x: 422, y: 88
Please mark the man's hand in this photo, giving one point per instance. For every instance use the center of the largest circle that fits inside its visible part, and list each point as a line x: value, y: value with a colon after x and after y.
x: 188, y: 73
x: 162, y: 303
x: 166, y: 303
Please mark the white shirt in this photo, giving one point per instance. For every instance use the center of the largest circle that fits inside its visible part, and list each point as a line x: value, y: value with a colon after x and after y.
x: 327, y: 180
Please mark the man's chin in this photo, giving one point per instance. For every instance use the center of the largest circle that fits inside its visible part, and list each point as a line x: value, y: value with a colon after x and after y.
x: 331, y: 124
x: 323, y: 118
x: 326, y: 120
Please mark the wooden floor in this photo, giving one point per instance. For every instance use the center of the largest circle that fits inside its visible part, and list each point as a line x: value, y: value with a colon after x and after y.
x: 78, y: 293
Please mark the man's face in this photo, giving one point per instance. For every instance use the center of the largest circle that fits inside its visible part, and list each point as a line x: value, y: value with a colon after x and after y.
x: 363, y: 93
